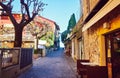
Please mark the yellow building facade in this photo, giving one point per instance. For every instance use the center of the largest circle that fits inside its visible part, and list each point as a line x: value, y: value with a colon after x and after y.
x: 101, y: 35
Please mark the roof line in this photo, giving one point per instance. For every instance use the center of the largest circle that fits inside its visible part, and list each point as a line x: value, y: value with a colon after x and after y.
x: 46, y: 19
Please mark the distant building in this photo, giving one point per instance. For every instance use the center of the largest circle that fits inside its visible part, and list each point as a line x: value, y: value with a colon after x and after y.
x: 28, y: 39
x: 57, y: 37
x: 50, y: 27
x: 7, y: 31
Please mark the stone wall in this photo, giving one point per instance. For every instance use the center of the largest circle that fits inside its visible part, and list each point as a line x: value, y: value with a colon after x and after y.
x: 86, y: 50
x: 91, y: 44
x: 94, y: 45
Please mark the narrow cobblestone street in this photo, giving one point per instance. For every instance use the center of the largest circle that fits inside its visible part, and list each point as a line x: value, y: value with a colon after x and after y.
x: 55, y: 65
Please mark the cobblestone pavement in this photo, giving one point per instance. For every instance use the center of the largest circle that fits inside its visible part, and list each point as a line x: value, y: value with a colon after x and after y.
x: 54, y: 65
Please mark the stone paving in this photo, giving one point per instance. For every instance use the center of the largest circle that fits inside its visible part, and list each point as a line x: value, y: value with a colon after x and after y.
x: 55, y: 65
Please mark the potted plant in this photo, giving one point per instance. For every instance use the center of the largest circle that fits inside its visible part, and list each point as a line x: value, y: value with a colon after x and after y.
x: 36, y: 54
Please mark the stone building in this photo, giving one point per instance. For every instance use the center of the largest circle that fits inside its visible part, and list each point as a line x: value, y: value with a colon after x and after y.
x: 101, y: 34
x: 75, y: 41
x: 28, y: 39
x: 57, y: 37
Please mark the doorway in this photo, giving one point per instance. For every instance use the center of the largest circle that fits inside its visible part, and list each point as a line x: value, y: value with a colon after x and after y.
x: 113, y: 53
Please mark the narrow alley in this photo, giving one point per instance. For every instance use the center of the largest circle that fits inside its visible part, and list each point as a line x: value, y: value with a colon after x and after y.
x: 55, y: 65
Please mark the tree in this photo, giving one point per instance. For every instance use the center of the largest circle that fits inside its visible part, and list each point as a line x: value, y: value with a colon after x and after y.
x: 37, y: 29
x: 49, y: 37
x: 26, y: 7
x: 71, y: 23
x: 64, y: 35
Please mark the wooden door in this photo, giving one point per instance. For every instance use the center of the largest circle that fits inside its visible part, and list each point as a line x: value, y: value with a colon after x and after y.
x: 113, y: 53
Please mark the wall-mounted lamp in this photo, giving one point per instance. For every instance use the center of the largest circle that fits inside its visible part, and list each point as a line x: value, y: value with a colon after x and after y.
x: 106, y: 25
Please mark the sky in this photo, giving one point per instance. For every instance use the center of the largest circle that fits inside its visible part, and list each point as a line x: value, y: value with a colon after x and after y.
x: 59, y: 11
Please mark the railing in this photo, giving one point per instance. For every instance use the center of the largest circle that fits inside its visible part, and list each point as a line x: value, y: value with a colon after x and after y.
x: 9, y: 57
x: 14, y: 60
x: 26, y: 57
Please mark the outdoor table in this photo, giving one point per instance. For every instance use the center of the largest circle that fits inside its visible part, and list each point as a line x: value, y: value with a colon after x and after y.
x: 89, y: 64
x: 92, y: 70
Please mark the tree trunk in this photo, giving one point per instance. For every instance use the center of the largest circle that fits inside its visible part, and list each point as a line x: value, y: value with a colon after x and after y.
x: 18, y: 36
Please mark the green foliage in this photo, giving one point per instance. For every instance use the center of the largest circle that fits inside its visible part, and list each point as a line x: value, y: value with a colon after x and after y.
x: 72, y: 23
x: 64, y: 35
x: 35, y: 51
x: 49, y: 37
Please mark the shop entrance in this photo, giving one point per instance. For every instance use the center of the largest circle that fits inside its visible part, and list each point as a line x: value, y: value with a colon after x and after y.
x: 113, y: 54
